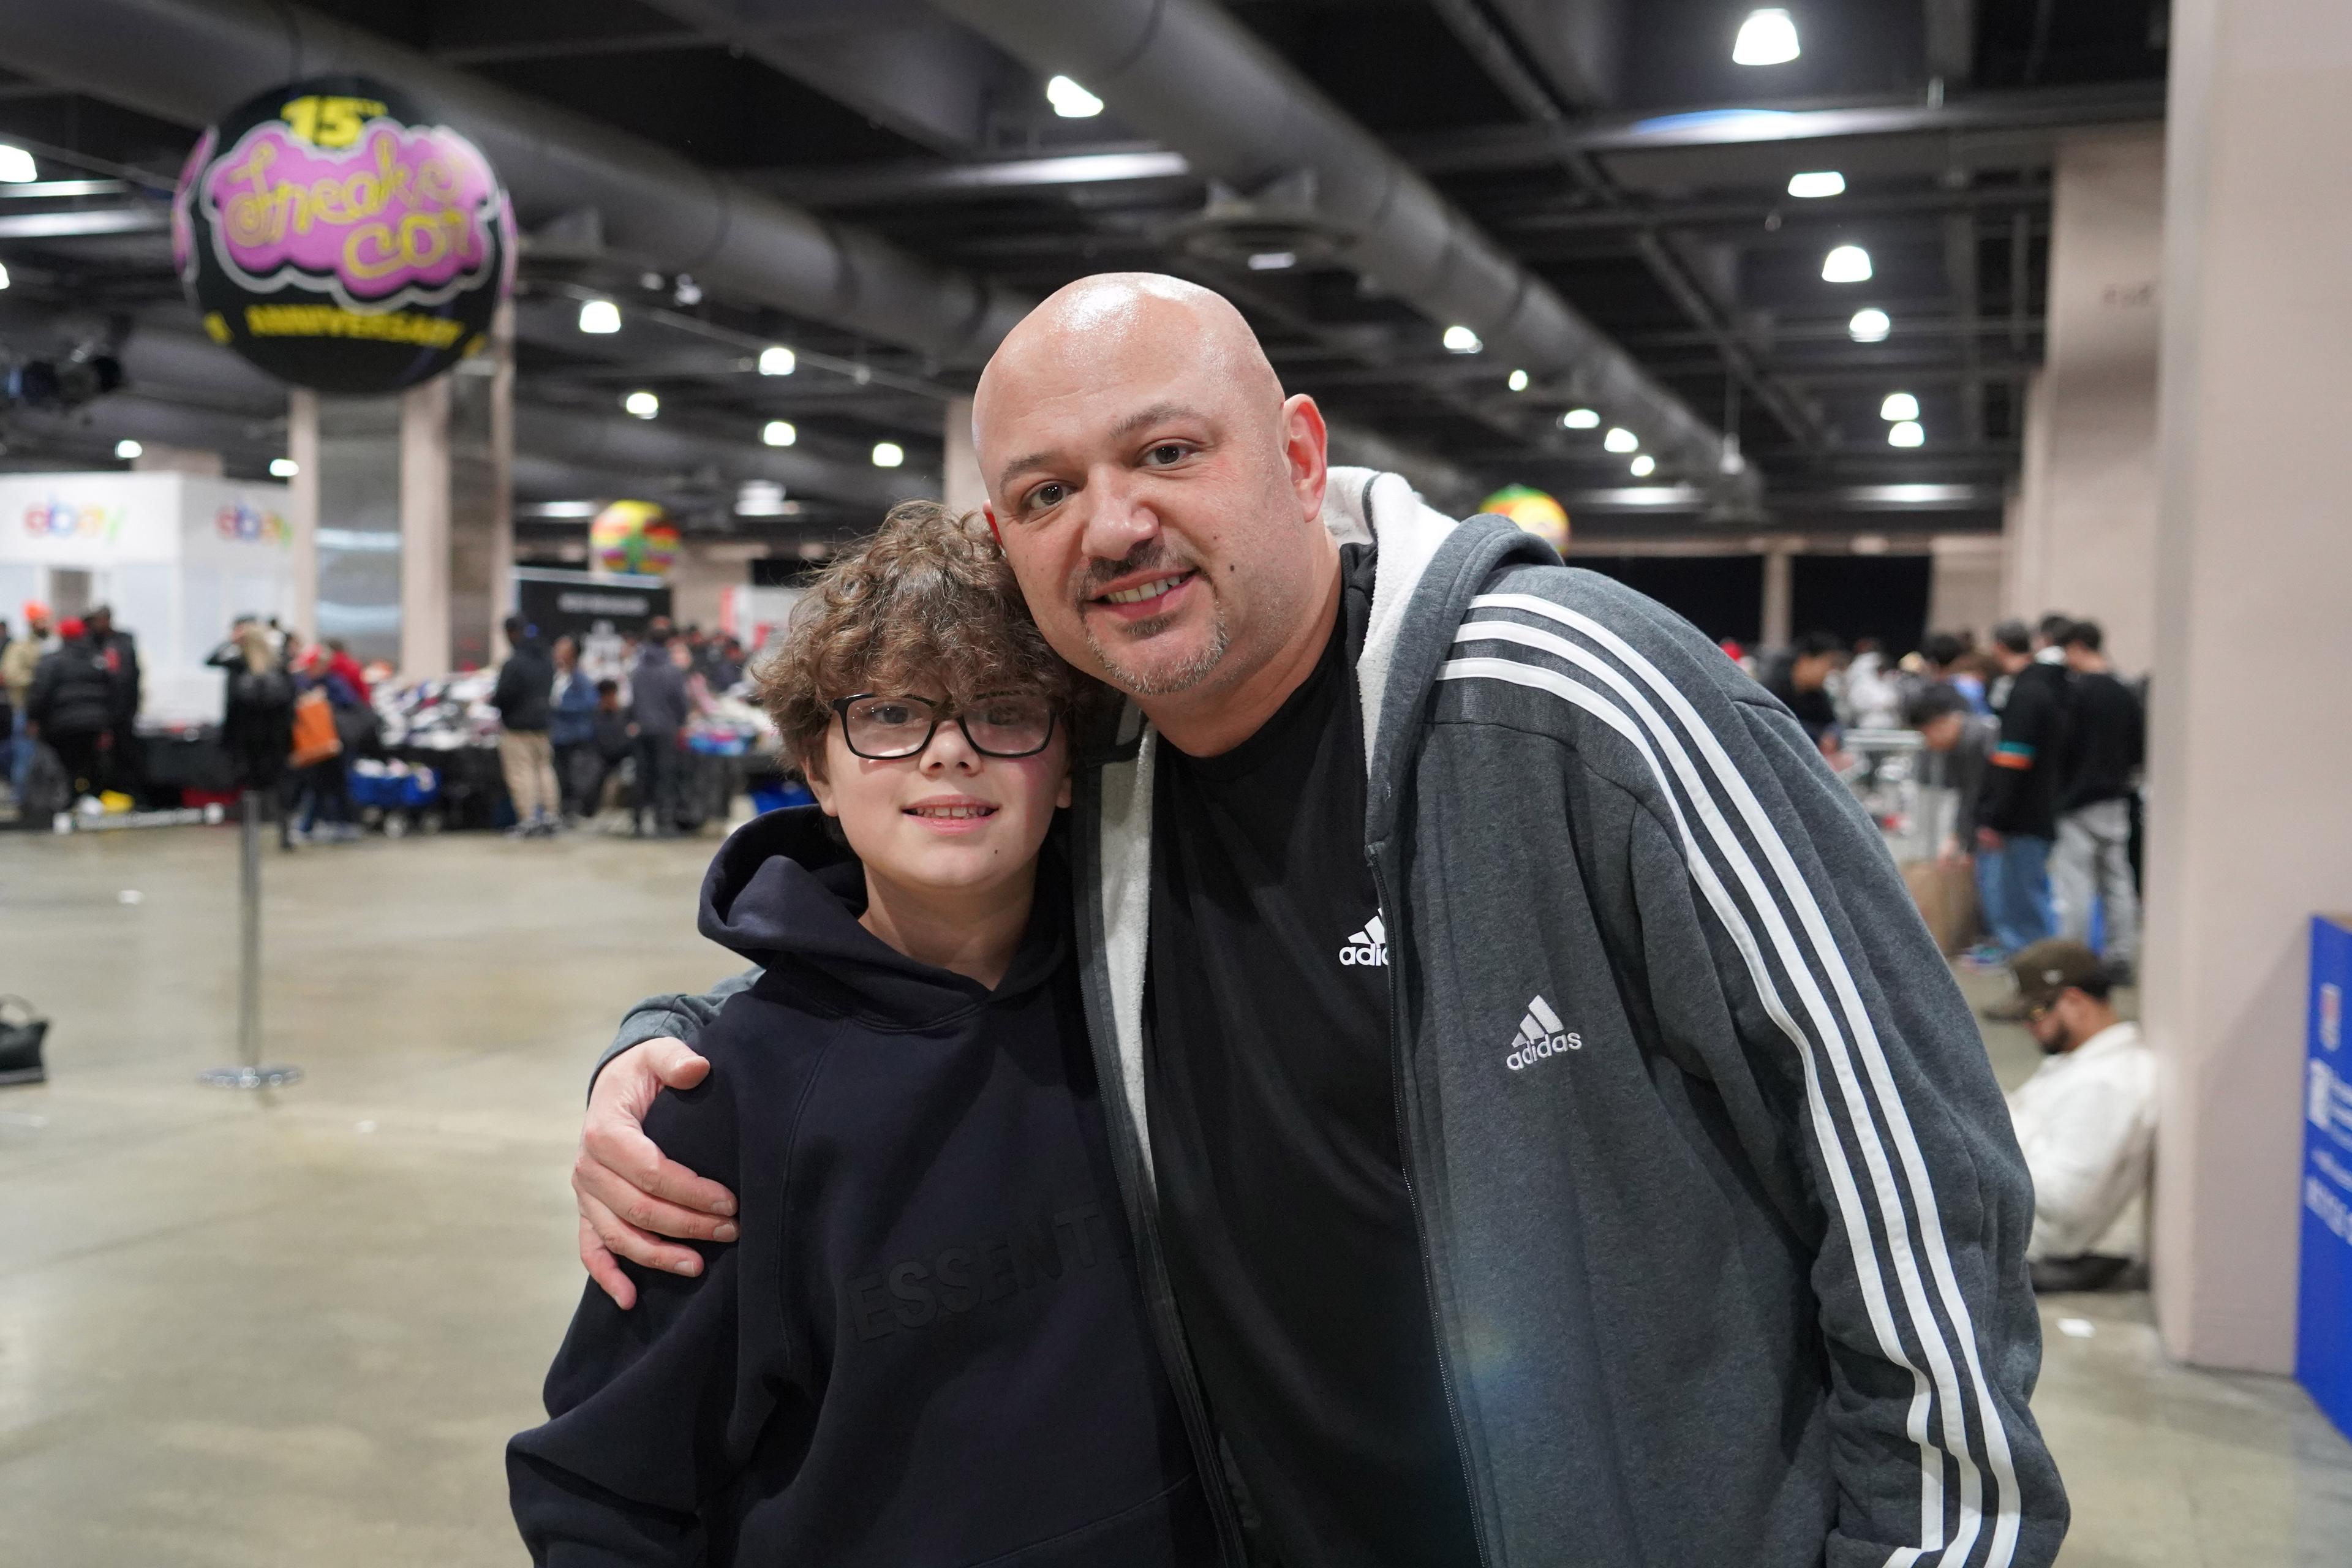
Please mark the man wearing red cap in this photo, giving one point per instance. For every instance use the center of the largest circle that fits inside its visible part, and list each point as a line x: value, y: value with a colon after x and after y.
x: 17, y: 665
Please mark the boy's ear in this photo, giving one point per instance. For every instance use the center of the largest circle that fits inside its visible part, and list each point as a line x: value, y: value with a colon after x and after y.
x: 813, y: 771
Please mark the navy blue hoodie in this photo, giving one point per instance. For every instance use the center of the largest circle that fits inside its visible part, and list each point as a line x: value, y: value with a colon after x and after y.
x: 930, y: 1348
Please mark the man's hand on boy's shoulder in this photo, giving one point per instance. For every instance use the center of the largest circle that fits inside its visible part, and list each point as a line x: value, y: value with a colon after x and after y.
x: 630, y: 1193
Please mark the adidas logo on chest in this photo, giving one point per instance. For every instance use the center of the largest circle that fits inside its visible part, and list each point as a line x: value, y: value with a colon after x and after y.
x: 1369, y: 948
x: 1541, y: 1035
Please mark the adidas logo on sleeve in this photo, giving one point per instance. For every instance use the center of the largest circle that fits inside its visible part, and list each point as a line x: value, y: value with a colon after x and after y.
x: 1369, y: 948
x: 1539, y: 1036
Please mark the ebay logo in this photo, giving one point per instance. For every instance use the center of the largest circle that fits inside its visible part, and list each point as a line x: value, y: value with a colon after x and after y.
x: 243, y: 524
x: 55, y: 519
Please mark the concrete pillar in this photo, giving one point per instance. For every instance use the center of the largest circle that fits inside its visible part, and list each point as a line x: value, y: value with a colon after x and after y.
x: 404, y: 532
x: 302, y: 446
x: 2250, y: 755
x: 1779, y: 580
x: 965, y: 490
x: 2086, y: 518
x: 424, y: 508
x: 705, y: 570
x: 1964, y: 588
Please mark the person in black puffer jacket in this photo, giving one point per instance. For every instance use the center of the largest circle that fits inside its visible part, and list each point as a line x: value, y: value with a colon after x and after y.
x: 71, y: 705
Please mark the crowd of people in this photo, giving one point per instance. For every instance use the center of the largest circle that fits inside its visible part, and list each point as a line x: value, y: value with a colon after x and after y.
x: 2035, y: 747
x: 2039, y: 745
x: 569, y: 720
x: 72, y: 690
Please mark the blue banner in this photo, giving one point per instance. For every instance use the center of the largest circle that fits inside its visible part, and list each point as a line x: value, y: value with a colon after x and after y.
x: 2323, y: 1359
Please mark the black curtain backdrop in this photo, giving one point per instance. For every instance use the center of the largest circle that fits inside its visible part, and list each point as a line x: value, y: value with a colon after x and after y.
x: 1882, y: 596
x: 1722, y: 595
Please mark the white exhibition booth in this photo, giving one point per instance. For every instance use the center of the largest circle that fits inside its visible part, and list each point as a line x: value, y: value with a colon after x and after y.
x: 177, y: 556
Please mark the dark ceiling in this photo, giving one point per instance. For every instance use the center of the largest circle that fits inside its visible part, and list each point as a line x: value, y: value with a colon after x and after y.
x: 1535, y: 116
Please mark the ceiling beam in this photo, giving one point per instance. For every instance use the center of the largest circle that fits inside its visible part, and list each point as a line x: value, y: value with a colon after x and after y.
x: 2046, y: 109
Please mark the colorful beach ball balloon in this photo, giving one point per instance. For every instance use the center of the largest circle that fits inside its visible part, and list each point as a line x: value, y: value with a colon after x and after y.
x: 1533, y: 510
x: 635, y: 537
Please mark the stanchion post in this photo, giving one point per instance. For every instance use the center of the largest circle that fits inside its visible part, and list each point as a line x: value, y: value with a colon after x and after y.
x: 249, y: 1072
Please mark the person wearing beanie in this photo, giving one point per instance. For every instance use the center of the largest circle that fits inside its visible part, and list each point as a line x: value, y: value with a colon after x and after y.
x: 2085, y: 1119
x: 71, y: 706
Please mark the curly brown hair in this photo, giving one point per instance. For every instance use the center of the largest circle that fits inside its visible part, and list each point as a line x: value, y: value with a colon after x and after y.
x: 928, y: 602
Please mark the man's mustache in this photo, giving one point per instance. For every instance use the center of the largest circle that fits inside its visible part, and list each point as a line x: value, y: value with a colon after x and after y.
x: 1097, y: 576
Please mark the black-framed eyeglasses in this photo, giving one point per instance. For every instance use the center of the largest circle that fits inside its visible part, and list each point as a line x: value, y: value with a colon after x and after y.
x: 884, y: 729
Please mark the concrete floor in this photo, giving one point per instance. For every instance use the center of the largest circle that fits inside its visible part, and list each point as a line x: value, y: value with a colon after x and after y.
x: 242, y: 1330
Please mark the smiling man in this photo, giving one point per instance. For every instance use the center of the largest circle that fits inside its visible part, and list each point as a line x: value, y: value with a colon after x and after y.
x: 1645, y: 1195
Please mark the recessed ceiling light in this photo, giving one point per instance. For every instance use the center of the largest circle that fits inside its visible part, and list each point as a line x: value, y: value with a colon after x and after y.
x: 127, y: 449
x: 599, y: 316
x: 1621, y: 439
x: 1580, y: 419
x: 1274, y: 261
x: 1767, y: 38
x: 1846, y: 264
x: 1644, y: 466
x: 779, y: 433
x: 1820, y: 182
x: 761, y: 498
x: 4, y: 278
x: 284, y: 468
x: 644, y: 405
x: 1518, y: 381
x: 17, y: 166
x: 1460, y: 340
x: 888, y: 454
x: 1899, y: 405
x: 777, y: 360
x: 1070, y: 101
x: 1869, y: 326
x: 1907, y: 433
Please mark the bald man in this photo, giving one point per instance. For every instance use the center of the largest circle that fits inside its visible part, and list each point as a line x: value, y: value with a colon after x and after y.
x: 1549, y: 1135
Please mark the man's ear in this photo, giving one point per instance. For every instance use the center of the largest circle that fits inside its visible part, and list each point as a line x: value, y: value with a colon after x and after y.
x: 1306, y: 446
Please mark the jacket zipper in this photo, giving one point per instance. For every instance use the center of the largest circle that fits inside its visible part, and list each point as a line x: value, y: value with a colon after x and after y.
x: 1143, y: 1224
x: 1420, y: 1222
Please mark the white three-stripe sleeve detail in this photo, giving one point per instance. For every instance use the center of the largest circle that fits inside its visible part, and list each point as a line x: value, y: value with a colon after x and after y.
x: 2007, y: 1498
x: 1860, y: 1238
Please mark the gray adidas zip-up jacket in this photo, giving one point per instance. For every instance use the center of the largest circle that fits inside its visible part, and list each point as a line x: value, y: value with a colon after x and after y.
x: 1723, y: 1220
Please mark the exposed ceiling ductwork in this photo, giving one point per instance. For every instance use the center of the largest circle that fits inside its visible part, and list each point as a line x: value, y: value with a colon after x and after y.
x: 1187, y: 73
x: 189, y: 60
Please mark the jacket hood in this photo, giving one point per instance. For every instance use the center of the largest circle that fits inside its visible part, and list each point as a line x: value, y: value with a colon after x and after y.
x: 1429, y: 569
x: 786, y: 894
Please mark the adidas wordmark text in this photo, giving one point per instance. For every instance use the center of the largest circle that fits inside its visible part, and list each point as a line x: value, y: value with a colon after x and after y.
x: 1539, y: 1036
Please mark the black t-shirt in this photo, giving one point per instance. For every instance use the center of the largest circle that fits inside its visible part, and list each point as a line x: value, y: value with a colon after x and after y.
x: 1290, y: 1230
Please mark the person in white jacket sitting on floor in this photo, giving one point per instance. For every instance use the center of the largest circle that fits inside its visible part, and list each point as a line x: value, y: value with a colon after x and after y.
x: 2086, y: 1121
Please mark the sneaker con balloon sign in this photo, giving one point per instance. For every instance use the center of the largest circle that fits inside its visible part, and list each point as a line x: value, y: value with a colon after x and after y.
x: 334, y: 235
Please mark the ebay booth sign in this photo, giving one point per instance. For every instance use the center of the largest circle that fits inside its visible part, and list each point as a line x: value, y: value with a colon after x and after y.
x: 176, y: 555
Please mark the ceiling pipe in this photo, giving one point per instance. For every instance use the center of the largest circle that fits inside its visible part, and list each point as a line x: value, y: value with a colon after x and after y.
x: 1189, y: 75
x: 190, y: 60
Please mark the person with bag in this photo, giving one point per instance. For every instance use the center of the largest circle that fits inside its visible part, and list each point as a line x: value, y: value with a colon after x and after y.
x: 323, y: 788
x: 257, y: 722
